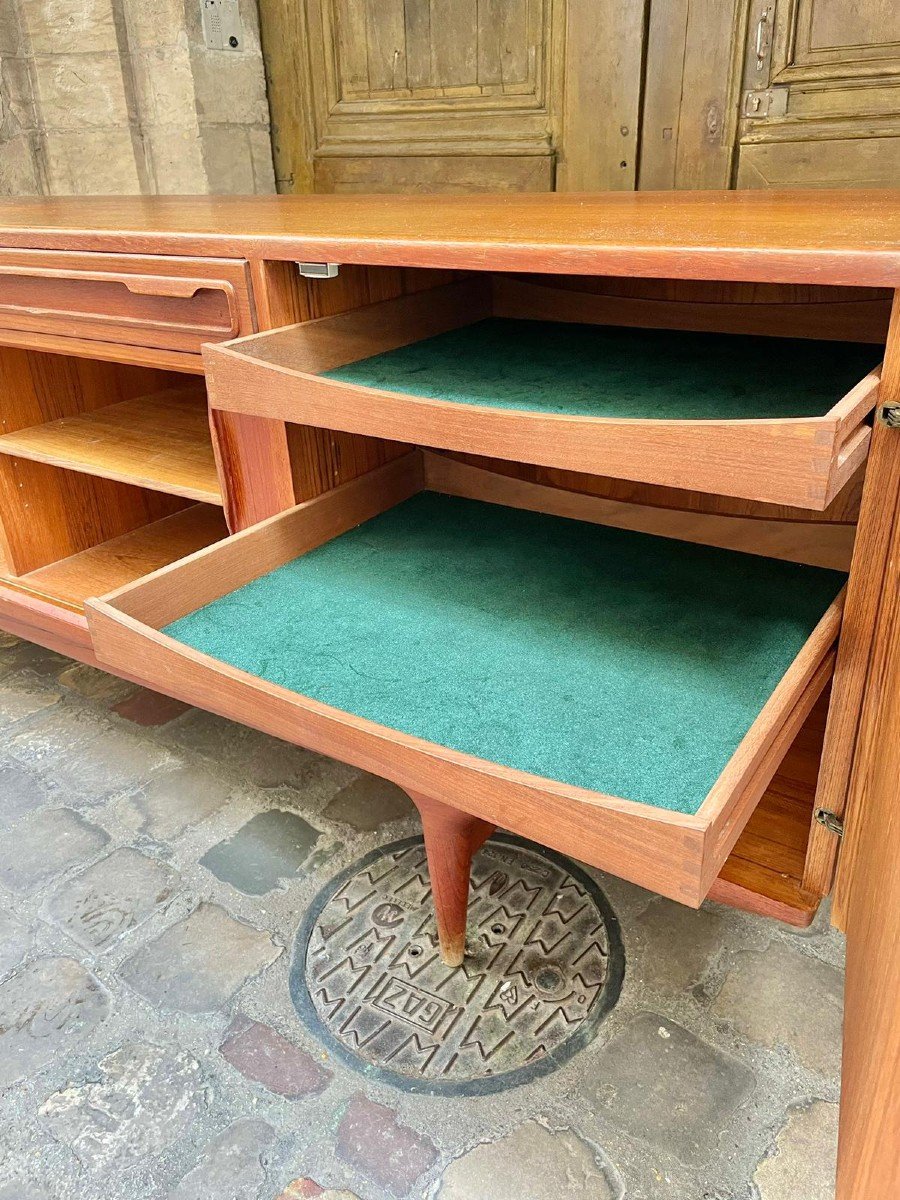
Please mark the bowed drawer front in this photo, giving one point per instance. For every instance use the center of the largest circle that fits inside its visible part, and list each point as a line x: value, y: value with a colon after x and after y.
x: 622, y: 697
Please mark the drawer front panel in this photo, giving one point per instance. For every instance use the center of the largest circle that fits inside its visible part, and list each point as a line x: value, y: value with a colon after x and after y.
x: 171, y: 304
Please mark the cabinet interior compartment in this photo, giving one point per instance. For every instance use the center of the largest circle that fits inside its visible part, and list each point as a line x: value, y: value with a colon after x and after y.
x: 102, y: 466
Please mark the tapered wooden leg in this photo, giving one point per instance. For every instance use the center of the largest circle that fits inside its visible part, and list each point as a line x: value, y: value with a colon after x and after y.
x: 451, y: 839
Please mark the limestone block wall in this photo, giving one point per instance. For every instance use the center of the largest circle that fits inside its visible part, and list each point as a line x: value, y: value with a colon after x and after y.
x: 122, y: 96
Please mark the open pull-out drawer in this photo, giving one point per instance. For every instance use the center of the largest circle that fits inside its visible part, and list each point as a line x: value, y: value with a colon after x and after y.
x: 621, y: 697
x: 765, y: 418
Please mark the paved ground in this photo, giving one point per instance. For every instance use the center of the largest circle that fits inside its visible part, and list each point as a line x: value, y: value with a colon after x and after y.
x: 155, y: 863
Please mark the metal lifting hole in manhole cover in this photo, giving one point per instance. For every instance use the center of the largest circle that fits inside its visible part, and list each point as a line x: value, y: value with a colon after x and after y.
x: 544, y: 964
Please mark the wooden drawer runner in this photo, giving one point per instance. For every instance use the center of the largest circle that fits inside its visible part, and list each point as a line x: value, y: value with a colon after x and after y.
x: 166, y: 303
x: 622, y: 697
x: 771, y: 419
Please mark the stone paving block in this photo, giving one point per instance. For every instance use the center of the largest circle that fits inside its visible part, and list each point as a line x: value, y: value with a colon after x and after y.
x: 678, y: 944
x: 150, y: 709
x: 391, y: 1155
x: 232, y: 1167
x: 54, y: 736
x: 660, y: 1083
x: 269, y: 848
x: 22, y: 696
x: 95, y: 685
x: 199, y: 963
x: 268, y: 762
x: 115, y: 761
x: 44, y: 845
x: 145, y: 1099
x: 22, y: 1189
x: 174, y: 801
x: 803, y: 1161
x: 15, y: 942
x: 781, y: 996
x: 368, y: 803
x: 532, y: 1161
x: 114, y: 895
x: 308, y: 1189
x: 16, y: 654
x: 264, y: 761
x: 260, y: 1053
x: 46, y: 1008
x: 21, y: 793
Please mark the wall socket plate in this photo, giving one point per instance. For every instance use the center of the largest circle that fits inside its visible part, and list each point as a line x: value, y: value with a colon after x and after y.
x: 222, y: 29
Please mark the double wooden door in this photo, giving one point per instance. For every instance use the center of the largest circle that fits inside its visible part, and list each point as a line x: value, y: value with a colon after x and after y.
x: 582, y: 95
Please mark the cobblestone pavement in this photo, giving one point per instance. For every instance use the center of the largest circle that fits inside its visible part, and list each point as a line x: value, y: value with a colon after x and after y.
x: 155, y: 864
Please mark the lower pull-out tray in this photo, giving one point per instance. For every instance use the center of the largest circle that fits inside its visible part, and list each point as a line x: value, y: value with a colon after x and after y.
x: 622, y: 697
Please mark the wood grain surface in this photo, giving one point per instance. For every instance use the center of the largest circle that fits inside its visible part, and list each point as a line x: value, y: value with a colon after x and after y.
x: 844, y: 237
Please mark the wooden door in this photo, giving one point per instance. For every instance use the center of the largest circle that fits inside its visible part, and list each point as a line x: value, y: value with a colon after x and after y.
x: 771, y: 93
x: 582, y: 95
x: 454, y: 95
x: 821, y: 101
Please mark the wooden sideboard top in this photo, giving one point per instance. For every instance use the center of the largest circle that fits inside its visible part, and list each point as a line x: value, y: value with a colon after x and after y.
x: 840, y: 237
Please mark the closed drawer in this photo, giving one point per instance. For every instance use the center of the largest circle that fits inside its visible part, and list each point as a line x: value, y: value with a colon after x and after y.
x: 778, y: 420
x: 171, y: 303
x: 622, y: 697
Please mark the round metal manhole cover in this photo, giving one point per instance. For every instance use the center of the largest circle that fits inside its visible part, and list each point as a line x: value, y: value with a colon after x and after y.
x: 544, y: 964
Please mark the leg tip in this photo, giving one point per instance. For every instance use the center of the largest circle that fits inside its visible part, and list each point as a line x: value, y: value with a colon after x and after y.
x: 453, y: 952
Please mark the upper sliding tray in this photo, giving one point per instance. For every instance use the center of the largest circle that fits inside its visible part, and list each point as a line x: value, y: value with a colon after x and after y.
x: 770, y: 419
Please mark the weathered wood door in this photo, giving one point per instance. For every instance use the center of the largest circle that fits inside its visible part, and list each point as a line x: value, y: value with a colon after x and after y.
x: 821, y: 106
x: 771, y: 93
x: 454, y: 95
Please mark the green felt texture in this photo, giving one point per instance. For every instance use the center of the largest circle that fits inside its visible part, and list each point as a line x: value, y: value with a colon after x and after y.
x: 599, y: 371
x: 618, y: 661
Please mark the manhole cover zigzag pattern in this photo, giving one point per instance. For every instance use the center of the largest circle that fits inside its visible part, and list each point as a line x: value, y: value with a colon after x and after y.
x: 544, y: 963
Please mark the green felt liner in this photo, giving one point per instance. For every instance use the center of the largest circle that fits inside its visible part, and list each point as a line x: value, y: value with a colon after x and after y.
x: 617, y: 661
x: 601, y: 371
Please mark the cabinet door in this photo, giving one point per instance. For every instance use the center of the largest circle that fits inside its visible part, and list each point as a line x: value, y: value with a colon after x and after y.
x: 821, y: 106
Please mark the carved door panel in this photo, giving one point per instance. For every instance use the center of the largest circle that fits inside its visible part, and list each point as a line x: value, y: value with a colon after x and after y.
x: 821, y: 106
x: 453, y: 95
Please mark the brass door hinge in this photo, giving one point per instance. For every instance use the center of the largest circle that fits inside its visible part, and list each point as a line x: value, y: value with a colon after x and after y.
x: 889, y: 414
x: 832, y: 822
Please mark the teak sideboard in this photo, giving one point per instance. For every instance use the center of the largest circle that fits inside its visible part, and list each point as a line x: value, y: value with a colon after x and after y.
x: 577, y: 516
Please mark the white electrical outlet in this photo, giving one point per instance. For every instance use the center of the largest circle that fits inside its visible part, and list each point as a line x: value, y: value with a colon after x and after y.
x: 222, y: 28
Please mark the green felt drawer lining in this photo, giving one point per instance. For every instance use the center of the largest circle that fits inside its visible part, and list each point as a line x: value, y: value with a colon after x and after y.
x: 625, y: 663
x: 602, y: 371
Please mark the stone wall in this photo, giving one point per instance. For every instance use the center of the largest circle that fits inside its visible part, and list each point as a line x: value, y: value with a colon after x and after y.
x: 122, y: 96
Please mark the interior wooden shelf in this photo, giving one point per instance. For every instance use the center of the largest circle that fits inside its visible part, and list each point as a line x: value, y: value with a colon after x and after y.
x: 774, y: 419
x: 123, y: 559
x: 161, y: 442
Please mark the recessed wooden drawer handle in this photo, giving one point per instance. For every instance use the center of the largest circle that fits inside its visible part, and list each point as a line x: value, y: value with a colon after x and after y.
x: 158, y: 285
